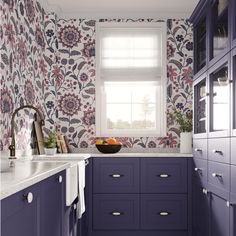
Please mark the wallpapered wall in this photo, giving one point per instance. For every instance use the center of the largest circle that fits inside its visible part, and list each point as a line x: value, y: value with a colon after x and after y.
x: 50, y: 64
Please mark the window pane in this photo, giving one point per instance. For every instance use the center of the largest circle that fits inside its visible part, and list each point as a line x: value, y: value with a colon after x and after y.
x: 143, y: 116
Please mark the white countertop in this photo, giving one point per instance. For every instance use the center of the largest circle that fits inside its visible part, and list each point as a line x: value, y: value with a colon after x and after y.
x: 63, y: 157
x: 26, y: 173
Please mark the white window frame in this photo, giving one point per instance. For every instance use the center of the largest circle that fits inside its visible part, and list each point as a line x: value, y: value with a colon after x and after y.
x: 161, y: 97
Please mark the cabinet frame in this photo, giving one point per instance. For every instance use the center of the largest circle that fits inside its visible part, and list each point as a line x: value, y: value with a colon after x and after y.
x: 233, y: 92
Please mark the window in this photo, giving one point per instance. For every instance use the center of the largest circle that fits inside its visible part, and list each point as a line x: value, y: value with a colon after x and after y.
x: 130, y: 87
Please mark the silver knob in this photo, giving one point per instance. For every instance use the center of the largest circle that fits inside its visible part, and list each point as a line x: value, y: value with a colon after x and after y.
x: 29, y: 197
x: 205, y: 191
x: 74, y: 206
x: 197, y: 169
x: 216, y: 175
x: 60, y: 179
x: 198, y: 150
x: 164, y: 213
x: 217, y: 152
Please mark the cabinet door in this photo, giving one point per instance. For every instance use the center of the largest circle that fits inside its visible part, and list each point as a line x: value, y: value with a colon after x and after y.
x: 233, y: 91
x: 219, y: 216
x: 52, y: 205
x: 200, y: 107
x: 200, y: 210
x: 219, y: 102
x: 20, y: 213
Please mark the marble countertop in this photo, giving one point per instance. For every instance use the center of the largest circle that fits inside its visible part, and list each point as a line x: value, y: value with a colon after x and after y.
x: 26, y: 173
x: 63, y: 157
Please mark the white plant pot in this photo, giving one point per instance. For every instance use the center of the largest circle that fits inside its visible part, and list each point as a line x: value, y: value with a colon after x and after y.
x: 186, y: 142
x: 50, y: 151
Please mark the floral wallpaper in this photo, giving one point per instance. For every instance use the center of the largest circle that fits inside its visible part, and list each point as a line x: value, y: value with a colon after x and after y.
x: 28, y: 52
x: 50, y: 63
x: 76, y: 93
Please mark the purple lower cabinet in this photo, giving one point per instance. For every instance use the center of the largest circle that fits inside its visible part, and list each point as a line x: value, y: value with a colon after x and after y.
x: 200, y: 210
x: 19, y: 216
x: 233, y: 219
x: 164, y: 211
x: 219, y: 215
x: 115, y: 211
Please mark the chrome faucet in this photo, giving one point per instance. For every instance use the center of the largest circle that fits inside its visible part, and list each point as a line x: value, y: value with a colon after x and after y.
x: 12, y: 147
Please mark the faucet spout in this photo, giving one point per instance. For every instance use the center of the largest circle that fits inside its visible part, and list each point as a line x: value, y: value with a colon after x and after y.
x: 12, y: 147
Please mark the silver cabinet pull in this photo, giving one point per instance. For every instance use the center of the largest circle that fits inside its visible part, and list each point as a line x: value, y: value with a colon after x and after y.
x: 60, y: 179
x: 198, y: 150
x: 74, y: 206
x: 86, y: 162
x: 216, y: 175
x: 205, y: 191
x: 29, y: 197
x: 217, y: 152
x: 164, y: 213
x: 117, y: 213
x: 116, y: 175
x: 197, y: 169
x: 163, y: 175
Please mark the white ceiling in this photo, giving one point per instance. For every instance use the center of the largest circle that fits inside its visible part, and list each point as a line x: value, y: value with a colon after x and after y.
x: 120, y: 8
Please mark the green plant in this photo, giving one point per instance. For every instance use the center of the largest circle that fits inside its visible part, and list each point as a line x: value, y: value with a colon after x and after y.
x: 183, y: 119
x: 50, y: 141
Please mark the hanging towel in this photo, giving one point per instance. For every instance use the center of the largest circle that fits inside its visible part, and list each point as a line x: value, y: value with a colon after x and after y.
x: 81, y: 183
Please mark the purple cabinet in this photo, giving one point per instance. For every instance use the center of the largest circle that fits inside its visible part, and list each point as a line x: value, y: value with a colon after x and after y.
x: 35, y: 211
x: 164, y: 175
x: 200, y: 148
x: 219, y: 216
x: 116, y: 211
x: 112, y: 175
x: 233, y: 185
x: 200, y: 172
x: 233, y: 151
x: 219, y: 178
x: 20, y: 216
x: 219, y: 150
x: 164, y: 211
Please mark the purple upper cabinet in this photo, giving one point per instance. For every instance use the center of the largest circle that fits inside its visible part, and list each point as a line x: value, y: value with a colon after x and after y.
x: 219, y: 99
x: 233, y: 25
x: 219, y: 29
x: 20, y: 213
x: 233, y: 151
x: 233, y: 185
x: 164, y: 175
x: 116, y: 175
x: 219, y: 216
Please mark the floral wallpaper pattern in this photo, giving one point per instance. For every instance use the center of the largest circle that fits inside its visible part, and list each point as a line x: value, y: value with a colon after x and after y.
x: 76, y: 107
x: 50, y: 64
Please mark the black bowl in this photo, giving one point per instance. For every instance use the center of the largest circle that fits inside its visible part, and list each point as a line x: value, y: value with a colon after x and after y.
x: 106, y: 148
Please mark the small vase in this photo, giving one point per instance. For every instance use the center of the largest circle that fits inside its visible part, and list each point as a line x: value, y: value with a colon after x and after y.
x: 186, y: 142
x: 50, y: 151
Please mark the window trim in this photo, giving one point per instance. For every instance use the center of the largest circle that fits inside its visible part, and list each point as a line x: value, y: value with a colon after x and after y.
x: 163, y: 83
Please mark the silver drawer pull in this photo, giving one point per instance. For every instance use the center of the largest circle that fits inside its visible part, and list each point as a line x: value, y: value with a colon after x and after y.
x: 205, y: 191
x: 116, y: 175
x: 217, y: 152
x: 163, y: 175
x: 164, y: 213
x: 198, y: 150
x: 216, y: 175
x: 60, y: 179
x: 117, y: 213
x: 86, y: 162
x: 29, y: 197
x: 197, y: 169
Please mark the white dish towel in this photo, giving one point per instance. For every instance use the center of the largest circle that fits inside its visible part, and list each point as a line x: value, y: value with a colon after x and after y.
x: 81, y: 182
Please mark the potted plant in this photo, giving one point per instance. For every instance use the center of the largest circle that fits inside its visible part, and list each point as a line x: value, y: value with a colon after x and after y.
x: 185, y: 121
x: 50, y: 144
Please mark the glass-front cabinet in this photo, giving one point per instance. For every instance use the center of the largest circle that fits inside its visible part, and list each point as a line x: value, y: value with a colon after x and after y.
x: 200, y: 106
x: 219, y: 99
x: 233, y: 92
x: 219, y: 37
x: 200, y: 54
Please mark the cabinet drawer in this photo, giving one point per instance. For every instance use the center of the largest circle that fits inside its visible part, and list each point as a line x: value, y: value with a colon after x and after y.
x: 219, y: 178
x: 164, y: 175
x: 219, y: 150
x: 233, y: 151
x: 200, y: 148
x: 164, y: 211
x: 233, y: 184
x: 200, y: 171
x: 116, y: 175
x: 115, y: 211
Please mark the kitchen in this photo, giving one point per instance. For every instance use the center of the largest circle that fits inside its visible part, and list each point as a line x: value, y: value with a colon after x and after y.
x: 159, y: 77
